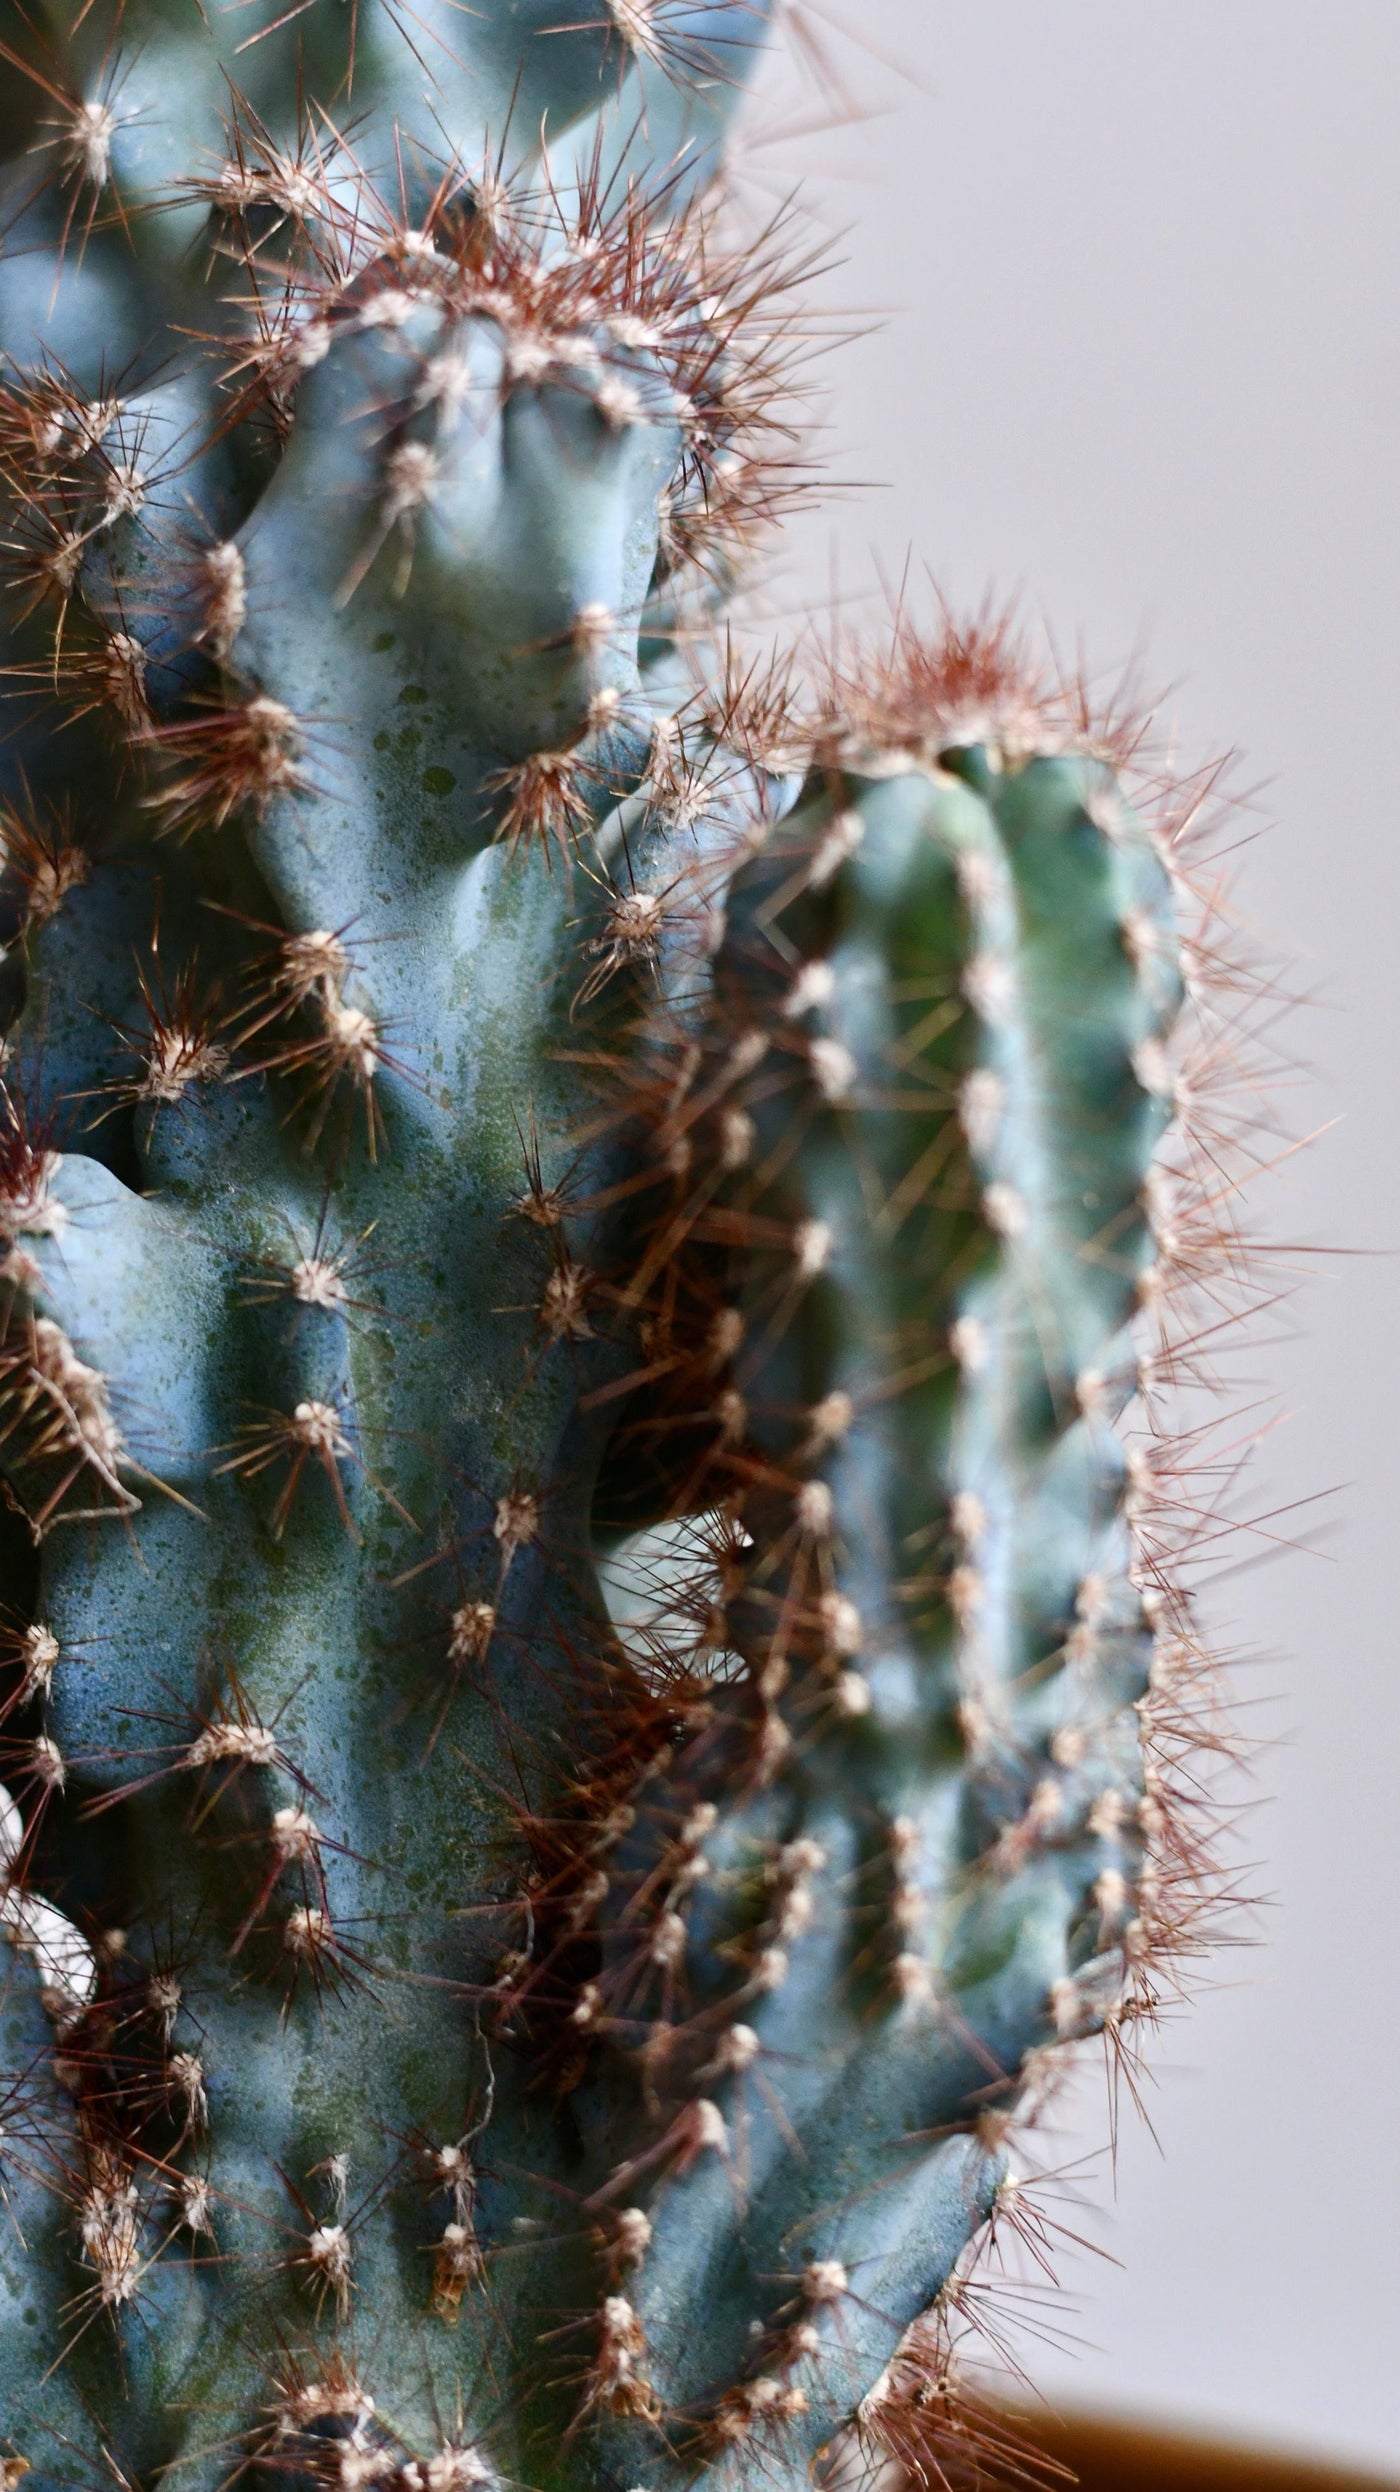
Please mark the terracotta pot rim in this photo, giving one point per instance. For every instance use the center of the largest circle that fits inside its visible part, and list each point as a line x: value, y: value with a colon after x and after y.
x: 1105, y: 2446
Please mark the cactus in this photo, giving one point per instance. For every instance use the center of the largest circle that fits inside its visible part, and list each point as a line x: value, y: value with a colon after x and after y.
x: 578, y: 1630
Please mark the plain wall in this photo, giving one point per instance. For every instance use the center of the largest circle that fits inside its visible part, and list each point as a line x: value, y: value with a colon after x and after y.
x: 1141, y: 359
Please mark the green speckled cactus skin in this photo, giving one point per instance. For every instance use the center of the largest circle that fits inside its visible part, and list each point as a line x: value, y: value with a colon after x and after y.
x: 576, y: 1629
x: 909, y: 1152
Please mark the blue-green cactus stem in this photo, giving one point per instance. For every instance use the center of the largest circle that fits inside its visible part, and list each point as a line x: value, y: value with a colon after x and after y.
x: 286, y: 1303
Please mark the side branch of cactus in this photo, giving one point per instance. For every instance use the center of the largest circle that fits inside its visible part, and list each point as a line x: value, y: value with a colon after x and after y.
x: 901, y: 1598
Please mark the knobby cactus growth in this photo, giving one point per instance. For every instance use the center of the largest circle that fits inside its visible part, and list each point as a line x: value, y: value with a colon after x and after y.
x: 592, y: 1691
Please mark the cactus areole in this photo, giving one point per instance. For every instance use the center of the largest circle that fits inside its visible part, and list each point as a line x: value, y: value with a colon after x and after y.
x: 588, y: 1672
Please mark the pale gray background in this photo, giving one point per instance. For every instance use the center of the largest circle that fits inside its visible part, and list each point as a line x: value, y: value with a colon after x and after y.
x: 1140, y: 266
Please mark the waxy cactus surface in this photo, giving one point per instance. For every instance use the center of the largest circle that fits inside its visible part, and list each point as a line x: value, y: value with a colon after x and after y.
x: 581, y: 1647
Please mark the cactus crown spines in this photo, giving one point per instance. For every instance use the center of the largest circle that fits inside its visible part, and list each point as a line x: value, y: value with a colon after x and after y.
x: 463, y: 1112
x: 594, y: 288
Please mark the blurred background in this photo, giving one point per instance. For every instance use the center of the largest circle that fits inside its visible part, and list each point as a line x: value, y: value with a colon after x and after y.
x: 1126, y: 282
